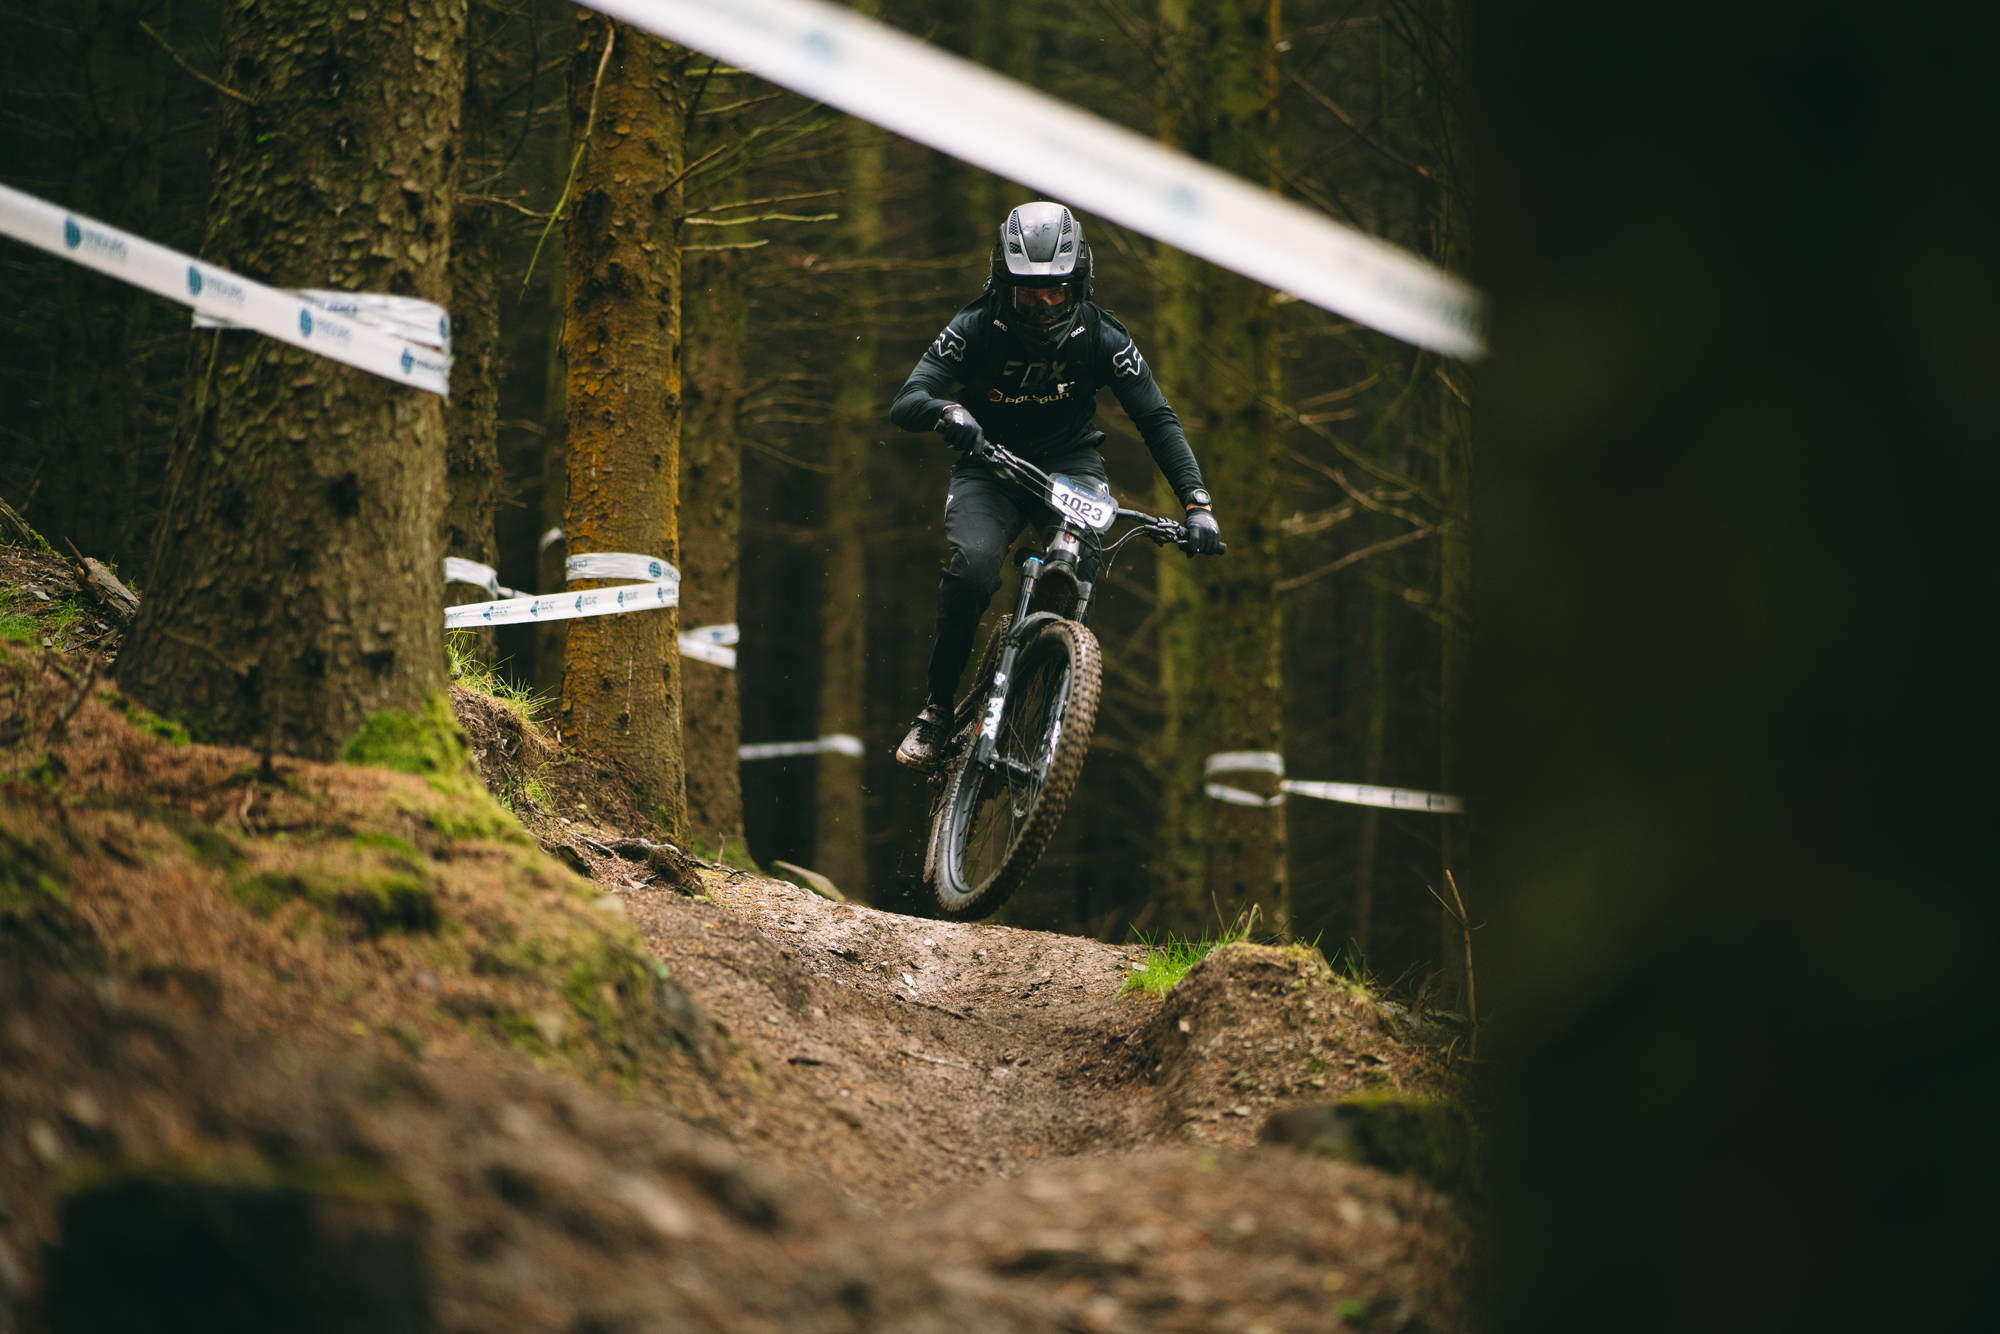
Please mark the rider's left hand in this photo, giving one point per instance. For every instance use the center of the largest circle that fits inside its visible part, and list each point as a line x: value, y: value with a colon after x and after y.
x: 1204, y: 535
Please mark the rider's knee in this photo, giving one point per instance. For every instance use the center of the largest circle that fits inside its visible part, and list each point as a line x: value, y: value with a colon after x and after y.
x: 974, y: 570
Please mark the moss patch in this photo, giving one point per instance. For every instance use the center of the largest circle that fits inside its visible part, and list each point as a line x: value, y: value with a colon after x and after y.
x: 375, y: 886
x: 619, y: 1004
x: 152, y: 724
x: 345, y: 1178
x: 37, y: 915
x: 429, y: 744
x: 470, y: 815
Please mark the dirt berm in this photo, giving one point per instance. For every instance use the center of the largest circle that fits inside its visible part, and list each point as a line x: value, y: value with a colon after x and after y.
x: 289, y: 1046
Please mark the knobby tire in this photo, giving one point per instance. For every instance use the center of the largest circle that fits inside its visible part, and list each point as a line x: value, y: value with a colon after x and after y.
x: 993, y: 826
x: 964, y: 727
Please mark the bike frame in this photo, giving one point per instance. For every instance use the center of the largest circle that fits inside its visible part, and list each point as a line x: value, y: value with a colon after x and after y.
x: 1061, y: 558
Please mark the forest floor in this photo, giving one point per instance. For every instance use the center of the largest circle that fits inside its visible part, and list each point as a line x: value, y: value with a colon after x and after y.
x: 493, y: 1070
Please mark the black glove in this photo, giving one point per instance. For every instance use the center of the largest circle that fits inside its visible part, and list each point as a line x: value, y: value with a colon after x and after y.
x: 961, y: 431
x: 1204, y: 535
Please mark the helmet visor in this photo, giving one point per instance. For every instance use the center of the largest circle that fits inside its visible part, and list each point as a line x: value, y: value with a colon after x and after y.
x: 1042, y: 306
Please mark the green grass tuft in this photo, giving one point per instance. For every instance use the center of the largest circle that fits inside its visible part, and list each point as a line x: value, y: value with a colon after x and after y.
x: 1169, y: 960
x: 28, y: 628
x: 469, y: 673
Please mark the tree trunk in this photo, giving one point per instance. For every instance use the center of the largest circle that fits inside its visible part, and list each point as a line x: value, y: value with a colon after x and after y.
x: 296, y: 589
x: 1221, y: 635
x: 1381, y: 690
x: 621, y: 674
x: 711, y: 491
x: 839, y: 843
x: 472, y: 417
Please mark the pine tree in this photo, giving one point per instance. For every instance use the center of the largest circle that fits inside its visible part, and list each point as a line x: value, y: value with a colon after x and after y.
x: 296, y: 590
x: 621, y: 674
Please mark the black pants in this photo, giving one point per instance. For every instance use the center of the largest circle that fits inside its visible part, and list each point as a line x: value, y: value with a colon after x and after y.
x: 983, y: 514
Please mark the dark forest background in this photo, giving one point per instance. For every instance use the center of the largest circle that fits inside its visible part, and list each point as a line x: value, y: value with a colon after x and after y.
x: 820, y: 255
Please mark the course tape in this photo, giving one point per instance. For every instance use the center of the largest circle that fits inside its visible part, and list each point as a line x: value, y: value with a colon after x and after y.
x: 458, y: 570
x: 894, y: 80
x: 838, y: 743
x: 218, y: 292
x: 708, y: 643
x: 662, y: 589
x: 1353, y: 794
x: 408, y: 317
x: 711, y: 643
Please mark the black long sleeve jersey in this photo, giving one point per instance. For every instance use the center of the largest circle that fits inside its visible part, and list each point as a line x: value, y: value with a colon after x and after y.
x: 1040, y: 402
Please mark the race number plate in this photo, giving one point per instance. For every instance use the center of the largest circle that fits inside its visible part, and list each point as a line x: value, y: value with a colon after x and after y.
x: 1092, y: 509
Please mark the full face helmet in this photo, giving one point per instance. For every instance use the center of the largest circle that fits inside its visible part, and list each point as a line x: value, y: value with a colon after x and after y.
x: 1041, y: 271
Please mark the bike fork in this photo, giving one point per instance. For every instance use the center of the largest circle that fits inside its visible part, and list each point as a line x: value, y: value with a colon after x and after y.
x: 995, y: 703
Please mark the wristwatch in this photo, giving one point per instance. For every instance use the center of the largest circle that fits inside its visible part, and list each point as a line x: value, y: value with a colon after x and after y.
x: 1197, y: 499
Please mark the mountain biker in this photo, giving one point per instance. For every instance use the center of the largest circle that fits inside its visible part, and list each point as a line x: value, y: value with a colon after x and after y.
x: 1027, y: 357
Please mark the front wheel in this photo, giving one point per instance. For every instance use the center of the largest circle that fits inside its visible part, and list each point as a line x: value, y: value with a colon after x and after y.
x: 997, y: 817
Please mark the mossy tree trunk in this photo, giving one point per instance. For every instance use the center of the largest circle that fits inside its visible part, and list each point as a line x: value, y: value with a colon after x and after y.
x: 1220, y: 641
x: 296, y: 588
x: 711, y: 497
x: 622, y: 674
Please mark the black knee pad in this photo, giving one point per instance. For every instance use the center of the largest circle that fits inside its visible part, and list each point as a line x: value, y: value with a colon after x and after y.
x: 972, y: 575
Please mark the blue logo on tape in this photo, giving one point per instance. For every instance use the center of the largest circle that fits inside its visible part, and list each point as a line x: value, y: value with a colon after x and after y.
x: 820, y: 46
x: 653, y: 568
x: 1183, y: 200
x: 306, y: 323
x: 579, y: 602
x: 194, y: 281
x: 72, y: 234
x: 408, y: 360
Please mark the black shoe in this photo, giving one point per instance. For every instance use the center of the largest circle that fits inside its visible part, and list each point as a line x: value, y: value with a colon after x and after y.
x: 924, y: 746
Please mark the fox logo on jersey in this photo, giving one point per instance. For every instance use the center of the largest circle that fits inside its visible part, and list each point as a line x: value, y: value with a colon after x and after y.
x: 1128, y: 362
x: 949, y: 346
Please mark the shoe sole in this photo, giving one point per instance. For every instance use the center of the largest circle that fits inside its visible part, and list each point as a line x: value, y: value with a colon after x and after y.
x: 915, y: 764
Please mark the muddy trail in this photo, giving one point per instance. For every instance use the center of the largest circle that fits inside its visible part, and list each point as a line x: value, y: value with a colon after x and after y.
x: 331, y: 1047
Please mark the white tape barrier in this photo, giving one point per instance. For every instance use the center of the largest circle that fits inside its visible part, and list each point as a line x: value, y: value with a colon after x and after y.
x: 406, y: 317
x: 661, y: 589
x: 1353, y: 794
x: 711, y: 643
x: 218, y: 292
x: 458, y: 570
x: 894, y: 80
x: 837, y: 743
x: 708, y: 643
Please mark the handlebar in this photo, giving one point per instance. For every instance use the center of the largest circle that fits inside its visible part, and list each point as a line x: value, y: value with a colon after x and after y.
x: 1156, y: 528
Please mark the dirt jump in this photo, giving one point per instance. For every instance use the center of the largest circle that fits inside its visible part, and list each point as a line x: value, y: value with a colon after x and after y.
x: 308, y: 1046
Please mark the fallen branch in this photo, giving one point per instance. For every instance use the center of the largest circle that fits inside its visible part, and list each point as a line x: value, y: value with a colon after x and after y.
x: 109, y: 590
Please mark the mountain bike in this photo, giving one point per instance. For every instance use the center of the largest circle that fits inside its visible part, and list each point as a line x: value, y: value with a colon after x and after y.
x: 1017, y: 740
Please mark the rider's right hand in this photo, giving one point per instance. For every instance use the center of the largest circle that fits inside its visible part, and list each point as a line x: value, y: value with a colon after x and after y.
x: 961, y: 431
